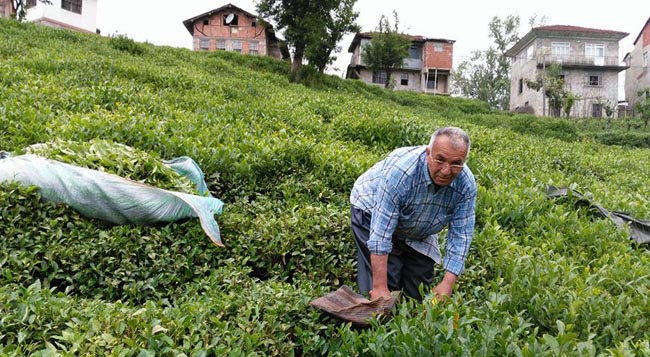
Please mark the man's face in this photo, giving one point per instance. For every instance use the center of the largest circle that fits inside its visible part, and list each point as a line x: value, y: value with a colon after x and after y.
x: 445, y: 161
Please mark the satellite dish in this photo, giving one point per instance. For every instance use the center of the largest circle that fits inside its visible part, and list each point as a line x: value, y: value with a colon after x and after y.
x: 229, y: 18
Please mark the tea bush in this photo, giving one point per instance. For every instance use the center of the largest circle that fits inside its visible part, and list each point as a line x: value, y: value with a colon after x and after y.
x: 542, y: 277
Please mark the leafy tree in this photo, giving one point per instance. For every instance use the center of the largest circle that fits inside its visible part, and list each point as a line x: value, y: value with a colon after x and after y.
x: 643, y: 107
x: 311, y: 28
x: 19, y: 7
x: 551, y: 82
x: 486, y: 75
x: 339, y: 22
x: 387, y: 49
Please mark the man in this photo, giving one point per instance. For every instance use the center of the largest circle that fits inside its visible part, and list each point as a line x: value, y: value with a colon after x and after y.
x: 398, y: 207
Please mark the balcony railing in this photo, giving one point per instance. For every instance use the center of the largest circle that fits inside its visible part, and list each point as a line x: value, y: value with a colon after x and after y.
x: 607, y: 61
x: 409, y: 63
x: 412, y: 63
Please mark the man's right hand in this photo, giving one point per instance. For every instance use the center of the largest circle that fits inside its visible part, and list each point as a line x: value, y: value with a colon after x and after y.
x: 377, y: 293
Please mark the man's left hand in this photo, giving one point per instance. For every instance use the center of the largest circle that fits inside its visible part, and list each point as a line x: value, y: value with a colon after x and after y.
x: 446, y: 287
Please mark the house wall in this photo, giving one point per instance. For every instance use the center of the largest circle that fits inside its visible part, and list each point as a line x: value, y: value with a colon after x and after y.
x: 5, y: 8
x: 638, y: 75
x: 607, y: 94
x: 437, y: 59
x: 356, y: 59
x: 247, y: 31
x: 416, y: 81
x: 54, y: 15
x: 525, y: 68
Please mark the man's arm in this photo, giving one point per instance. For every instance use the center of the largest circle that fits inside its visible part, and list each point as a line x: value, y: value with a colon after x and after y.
x: 459, y: 239
x: 379, y: 265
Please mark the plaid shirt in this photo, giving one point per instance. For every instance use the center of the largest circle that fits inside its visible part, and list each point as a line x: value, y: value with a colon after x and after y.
x: 404, y: 203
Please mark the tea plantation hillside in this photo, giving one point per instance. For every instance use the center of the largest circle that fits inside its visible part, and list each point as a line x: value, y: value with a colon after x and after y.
x: 543, y: 278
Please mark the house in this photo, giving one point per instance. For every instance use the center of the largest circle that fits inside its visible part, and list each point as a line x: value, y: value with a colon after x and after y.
x: 589, y: 62
x: 229, y: 28
x: 427, y: 68
x: 638, y: 60
x: 78, y: 15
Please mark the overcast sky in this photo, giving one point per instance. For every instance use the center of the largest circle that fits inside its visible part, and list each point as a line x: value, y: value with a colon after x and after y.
x: 161, y: 21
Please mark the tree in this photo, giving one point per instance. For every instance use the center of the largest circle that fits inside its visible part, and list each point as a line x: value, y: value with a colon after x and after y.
x: 19, y: 7
x: 486, y: 75
x: 643, y: 107
x: 552, y: 83
x: 310, y: 28
x: 321, y: 46
x: 387, y: 49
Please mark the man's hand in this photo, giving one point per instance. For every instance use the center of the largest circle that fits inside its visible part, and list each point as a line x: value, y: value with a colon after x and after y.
x: 446, y: 286
x: 377, y: 293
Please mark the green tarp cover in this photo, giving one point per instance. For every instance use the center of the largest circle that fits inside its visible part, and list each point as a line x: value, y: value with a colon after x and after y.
x: 112, y: 198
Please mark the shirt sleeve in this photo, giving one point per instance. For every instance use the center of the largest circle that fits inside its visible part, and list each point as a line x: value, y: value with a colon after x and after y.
x: 385, y: 216
x: 461, y: 231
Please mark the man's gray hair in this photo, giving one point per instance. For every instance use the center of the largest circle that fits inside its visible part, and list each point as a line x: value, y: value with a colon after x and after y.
x: 457, y: 136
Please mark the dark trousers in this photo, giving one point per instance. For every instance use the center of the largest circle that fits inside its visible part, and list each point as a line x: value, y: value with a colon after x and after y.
x: 407, y: 268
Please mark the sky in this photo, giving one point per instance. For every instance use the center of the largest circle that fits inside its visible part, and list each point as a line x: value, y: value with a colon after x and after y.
x: 160, y: 22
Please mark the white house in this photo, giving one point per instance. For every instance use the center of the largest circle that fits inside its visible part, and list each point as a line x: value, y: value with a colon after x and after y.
x: 79, y: 15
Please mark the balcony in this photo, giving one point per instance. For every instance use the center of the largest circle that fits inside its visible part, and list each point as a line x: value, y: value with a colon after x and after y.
x: 585, y: 62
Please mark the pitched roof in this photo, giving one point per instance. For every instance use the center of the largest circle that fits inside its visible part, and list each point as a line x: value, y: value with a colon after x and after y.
x: 414, y: 38
x: 189, y: 23
x: 564, y: 31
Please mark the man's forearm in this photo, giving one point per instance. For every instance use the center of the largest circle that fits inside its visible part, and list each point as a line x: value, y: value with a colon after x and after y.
x: 379, y: 265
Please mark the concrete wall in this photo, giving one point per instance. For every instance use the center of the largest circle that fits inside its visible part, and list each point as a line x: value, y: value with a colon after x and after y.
x: 638, y: 75
x: 54, y: 15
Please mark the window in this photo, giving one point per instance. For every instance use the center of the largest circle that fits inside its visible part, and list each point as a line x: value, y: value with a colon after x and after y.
x: 230, y: 19
x: 431, y: 84
x: 521, y: 85
x: 594, y: 50
x: 405, y: 79
x: 31, y: 3
x: 379, y: 77
x: 560, y: 48
x: 437, y: 47
x: 415, y: 52
x: 71, y: 5
x: 645, y: 59
x: 206, y: 21
x: 594, y: 80
x: 529, y: 52
x: 221, y: 45
x: 236, y: 45
x: 596, y: 110
x: 204, y: 44
x: 253, y: 48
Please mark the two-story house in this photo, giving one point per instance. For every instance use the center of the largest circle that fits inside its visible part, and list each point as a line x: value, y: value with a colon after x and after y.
x: 229, y: 28
x: 78, y: 15
x: 590, y: 67
x: 637, y: 76
x: 427, y: 68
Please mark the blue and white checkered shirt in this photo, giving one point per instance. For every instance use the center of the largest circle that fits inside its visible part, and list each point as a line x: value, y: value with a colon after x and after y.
x: 404, y: 203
